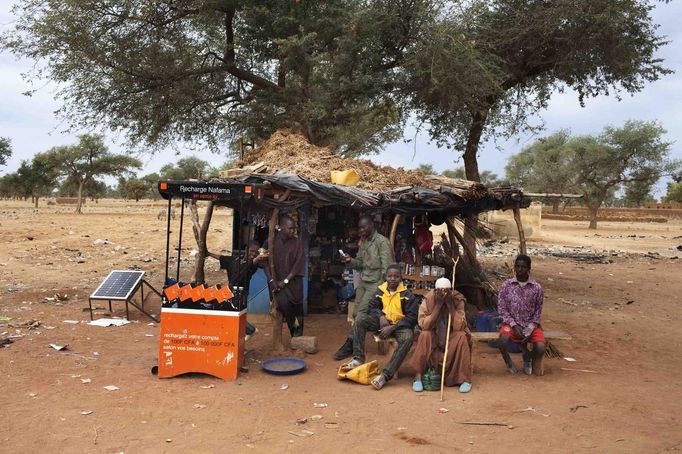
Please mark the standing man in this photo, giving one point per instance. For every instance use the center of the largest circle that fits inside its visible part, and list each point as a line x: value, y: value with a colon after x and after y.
x: 392, y: 313
x: 430, y: 349
x: 240, y: 269
x: 374, y: 256
x: 287, y: 282
x: 520, y: 306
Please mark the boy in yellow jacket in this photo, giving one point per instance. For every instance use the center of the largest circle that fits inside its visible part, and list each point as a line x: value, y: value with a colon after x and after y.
x: 392, y: 313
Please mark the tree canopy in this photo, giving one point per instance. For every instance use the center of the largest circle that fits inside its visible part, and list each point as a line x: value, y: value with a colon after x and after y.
x: 5, y: 150
x: 190, y: 168
x: 88, y: 159
x: 489, y: 65
x: 209, y: 71
x: 594, y: 166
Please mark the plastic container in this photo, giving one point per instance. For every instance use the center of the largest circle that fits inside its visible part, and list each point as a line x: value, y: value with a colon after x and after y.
x: 481, y: 321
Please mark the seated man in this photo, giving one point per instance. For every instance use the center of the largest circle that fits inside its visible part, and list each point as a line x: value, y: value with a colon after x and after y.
x: 430, y: 349
x: 240, y: 270
x: 520, y: 305
x: 392, y: 312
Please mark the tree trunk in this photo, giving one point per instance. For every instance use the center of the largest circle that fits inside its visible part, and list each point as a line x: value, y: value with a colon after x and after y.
x: 35, y: 199
x: 555, y: 206
x: 519, y: 226
x: 472, y: 174
x: 593, y: 217
x: 79, y: 204
x: 200, y: 237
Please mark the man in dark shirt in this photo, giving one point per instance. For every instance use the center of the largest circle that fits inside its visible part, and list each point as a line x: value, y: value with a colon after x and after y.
x: 240, y: 269
x: 287, y: 282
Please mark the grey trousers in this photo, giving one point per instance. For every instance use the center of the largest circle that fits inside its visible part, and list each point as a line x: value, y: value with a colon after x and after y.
x: 363, y: 324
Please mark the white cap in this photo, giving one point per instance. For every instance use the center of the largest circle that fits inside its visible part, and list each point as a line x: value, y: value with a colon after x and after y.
x: 443, y: 282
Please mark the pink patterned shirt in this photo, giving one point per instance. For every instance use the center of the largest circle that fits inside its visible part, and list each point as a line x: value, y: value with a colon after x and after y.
x: 520, y: 305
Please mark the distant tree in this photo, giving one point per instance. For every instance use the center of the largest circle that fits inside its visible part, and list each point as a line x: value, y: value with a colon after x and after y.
x: 5, y: 150
x: 638, y: 191
x: 152, y: 182
x: 87, y: 160
x: 94, y: 189
x: 38, y: 178
x: 11, y: 186
x: 544, y: 167
x: 619, y: 156
x: 136, y: 189
x: 488, y: 177
x: 191, y: 168
x: 674, y: 193
x: 427, y: 169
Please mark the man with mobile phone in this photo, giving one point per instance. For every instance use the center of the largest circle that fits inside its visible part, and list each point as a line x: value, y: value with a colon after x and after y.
x: 374, y: 256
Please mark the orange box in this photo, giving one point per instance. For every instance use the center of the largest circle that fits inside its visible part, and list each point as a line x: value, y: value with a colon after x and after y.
x: 199, y: 340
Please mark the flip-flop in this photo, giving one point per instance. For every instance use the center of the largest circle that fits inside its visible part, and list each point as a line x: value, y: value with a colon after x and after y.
x: 465, y: 387
x: 417, y: 386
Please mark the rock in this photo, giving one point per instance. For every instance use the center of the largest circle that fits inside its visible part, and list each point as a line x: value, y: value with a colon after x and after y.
x: 306, y: 343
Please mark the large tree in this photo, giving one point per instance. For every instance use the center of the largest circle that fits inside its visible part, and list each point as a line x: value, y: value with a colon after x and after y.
x: 88, y: 159
x: 489, y: 65
x: 635, y: 152
x: 595, y: 166
x: 212, y: 70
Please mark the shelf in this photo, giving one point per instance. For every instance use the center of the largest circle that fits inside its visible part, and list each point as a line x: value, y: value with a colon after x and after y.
x: 415, y: 277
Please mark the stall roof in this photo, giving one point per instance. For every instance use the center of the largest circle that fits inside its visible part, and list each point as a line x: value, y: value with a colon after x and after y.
x: 457, y: 198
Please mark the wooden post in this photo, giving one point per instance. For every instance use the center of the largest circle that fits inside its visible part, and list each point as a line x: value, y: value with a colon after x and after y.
x: 200, y: 232
x: 275, y: 315
x: 394, y: 229
x: 519, y: 226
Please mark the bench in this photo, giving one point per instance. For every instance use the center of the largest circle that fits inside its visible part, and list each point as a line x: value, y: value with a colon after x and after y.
x: 388, y: 346
x: 477, y: 337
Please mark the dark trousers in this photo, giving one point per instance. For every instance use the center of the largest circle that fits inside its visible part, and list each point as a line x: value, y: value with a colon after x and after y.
x: 293, y: 314
x: 364, y: 323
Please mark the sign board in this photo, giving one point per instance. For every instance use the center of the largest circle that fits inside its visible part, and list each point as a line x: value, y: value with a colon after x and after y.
x: 205, y: 341
x: 201, y: 190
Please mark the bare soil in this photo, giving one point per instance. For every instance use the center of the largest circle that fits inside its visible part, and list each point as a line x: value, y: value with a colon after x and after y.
x: 624, y: 318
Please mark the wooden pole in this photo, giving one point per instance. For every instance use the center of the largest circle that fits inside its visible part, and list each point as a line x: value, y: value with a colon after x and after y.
x: 394, y: 230
x: 445, y: 354
x: 519, y: 226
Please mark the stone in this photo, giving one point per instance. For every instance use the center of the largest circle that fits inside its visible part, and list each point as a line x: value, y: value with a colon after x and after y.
x: 306, y: 343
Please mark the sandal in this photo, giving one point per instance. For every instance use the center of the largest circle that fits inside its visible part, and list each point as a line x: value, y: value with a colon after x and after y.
x: 417, y: 386
x: 379, y: 382
x: 352, y: 364
x: 465, y: 387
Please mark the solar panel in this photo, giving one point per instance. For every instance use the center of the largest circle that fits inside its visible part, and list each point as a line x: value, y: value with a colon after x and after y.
x: 118, y: 285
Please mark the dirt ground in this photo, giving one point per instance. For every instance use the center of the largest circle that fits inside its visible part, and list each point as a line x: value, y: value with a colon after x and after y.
x: 621, y: 395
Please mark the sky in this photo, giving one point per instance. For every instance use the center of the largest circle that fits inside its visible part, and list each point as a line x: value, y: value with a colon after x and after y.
x: 31, y: 125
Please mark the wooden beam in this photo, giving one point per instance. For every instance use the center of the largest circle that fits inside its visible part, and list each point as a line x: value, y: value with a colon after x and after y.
x: 547, y: 195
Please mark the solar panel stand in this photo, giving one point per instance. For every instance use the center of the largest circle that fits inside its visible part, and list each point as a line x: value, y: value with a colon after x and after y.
x: 127, y: 297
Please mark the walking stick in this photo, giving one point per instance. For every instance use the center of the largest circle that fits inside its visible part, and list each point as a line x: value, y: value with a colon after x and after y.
x: 447, y: 336
x: 445, y: 356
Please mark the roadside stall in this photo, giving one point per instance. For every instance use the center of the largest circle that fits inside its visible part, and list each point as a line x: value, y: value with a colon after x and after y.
x: 202, y: 326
